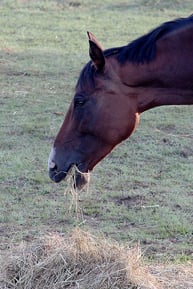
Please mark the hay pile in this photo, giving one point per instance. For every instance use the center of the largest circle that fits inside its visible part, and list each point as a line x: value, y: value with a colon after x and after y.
x: 78, y: 261
x: 174, y: 276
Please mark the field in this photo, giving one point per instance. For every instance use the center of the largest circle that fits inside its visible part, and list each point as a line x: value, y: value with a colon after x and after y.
x: 143, y: 191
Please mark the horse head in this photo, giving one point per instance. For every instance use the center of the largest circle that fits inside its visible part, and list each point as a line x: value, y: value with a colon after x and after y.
x: 100, y: 116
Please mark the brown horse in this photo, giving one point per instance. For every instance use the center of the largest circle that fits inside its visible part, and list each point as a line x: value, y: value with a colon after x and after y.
x: 115, y: 87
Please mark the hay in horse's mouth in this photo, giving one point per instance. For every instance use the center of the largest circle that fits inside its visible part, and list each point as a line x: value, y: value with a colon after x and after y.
x: 77, y: 178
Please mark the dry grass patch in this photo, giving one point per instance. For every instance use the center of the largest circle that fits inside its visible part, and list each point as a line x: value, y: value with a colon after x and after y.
x: 79, y: 260
x: 174, y: 276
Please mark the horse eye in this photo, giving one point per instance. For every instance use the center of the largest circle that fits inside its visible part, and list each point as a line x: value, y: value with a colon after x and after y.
x: 79, y: 101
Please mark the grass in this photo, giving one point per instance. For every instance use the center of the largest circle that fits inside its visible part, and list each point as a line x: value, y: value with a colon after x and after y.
x: 143, y: 190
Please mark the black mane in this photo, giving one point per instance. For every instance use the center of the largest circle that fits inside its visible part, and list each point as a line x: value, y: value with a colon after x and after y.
x: 143, y: 49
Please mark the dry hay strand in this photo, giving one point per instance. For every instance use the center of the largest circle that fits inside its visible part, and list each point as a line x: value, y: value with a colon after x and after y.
x: 78, y: 261
x: 72, y: 193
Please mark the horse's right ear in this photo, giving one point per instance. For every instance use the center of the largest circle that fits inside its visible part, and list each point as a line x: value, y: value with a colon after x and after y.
x: 96, y: 52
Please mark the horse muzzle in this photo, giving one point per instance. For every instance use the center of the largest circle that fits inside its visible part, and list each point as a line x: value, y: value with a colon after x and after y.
x: 80, y: 176
x: 57, y: 176
x: 79, y: 179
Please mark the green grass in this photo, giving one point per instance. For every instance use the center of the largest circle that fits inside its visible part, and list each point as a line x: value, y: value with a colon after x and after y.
x: 143, y: 190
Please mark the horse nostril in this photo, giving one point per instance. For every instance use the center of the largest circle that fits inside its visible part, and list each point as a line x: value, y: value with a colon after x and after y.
x: 52, y: 166
x: 51, y: 163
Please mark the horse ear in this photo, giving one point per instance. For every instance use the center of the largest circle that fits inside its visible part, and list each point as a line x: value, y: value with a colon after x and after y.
x: 96, y: 52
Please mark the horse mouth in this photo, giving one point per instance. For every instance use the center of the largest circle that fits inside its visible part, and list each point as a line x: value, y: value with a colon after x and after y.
x: 79, y: 178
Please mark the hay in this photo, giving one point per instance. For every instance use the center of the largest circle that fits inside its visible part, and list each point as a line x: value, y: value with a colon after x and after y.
x: 78, y: 261
x: 174, y: 276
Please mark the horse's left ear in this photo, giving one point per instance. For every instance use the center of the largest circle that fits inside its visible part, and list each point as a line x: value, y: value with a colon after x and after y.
x: 96, y: 52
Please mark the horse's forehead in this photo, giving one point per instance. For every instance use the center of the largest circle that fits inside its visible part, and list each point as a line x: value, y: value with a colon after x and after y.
x: 86, y: 78
x: 90, y: 81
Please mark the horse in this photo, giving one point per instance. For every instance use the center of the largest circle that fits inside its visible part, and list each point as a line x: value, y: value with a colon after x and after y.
x: 114, y: 88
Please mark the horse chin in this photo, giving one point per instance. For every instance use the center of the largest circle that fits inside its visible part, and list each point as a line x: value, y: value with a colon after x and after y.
x: 81, y: 180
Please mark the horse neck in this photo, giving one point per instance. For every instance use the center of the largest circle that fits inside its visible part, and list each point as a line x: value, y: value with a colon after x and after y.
x: 148, y: 98
x: 153, y: 86
x: 166, y: 80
